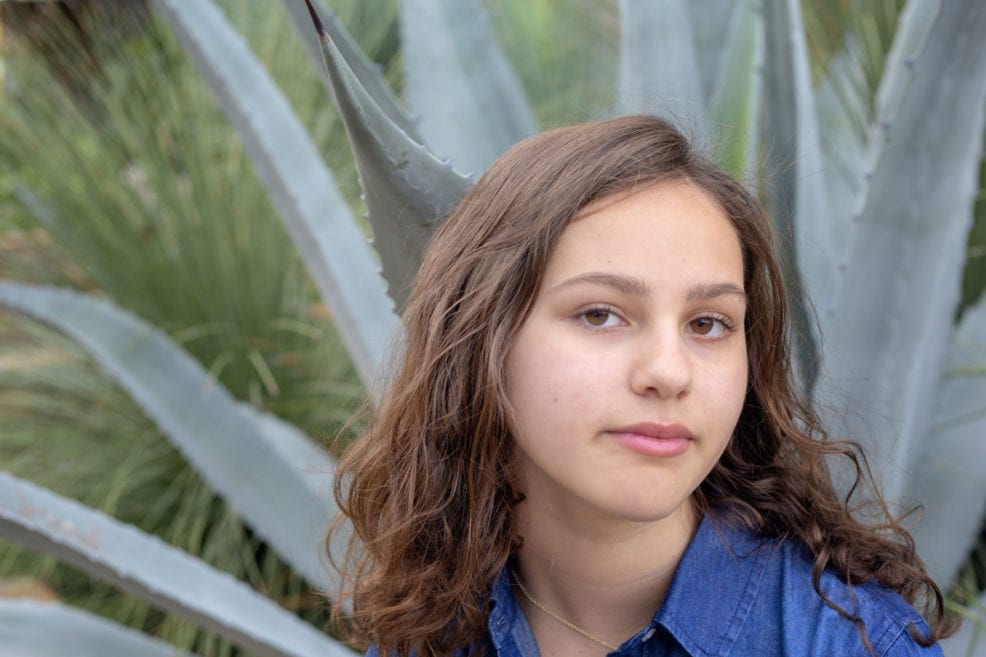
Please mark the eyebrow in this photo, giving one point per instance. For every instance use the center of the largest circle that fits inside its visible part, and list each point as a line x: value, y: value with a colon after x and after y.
x: 639, y: 288
x: 704, y: 291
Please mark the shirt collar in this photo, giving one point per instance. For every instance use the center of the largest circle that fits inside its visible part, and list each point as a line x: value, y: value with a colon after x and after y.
x: 714, y: 586
x: 711, y: 594
x: 503, y: 607
x: 506, y: 622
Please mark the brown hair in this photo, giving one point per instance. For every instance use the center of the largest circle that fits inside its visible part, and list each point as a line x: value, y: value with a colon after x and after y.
x: 428, y: 486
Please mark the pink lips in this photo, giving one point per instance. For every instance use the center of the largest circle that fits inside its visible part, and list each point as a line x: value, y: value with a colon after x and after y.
x: 654, y: 439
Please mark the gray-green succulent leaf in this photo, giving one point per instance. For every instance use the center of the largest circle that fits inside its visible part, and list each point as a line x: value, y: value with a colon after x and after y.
x: 735, y: 104
x: 886, y: 343
x: 408, y: 191
x: 712, y: 21
x: 819, y: 241
x: 916, y: 24
x: 462, y: 89
x: 368, y: 73
x: 659, y: 72
x: 147, y: 567
x: 949, y: 476
x: 300, y: 185
x: 267, y: 470
x: 841, y: 125
x: 29, y: 628
x: 795, y: 185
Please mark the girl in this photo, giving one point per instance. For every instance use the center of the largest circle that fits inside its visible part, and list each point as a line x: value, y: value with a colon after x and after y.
x: 593, y: 444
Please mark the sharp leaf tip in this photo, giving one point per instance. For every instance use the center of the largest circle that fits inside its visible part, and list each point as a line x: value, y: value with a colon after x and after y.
x: 317, y: 21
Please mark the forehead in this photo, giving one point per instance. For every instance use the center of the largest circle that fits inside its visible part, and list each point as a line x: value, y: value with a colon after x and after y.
x: 665, y: 233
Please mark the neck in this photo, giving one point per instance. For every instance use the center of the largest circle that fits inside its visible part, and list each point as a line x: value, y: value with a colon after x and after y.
x: 606, y: 576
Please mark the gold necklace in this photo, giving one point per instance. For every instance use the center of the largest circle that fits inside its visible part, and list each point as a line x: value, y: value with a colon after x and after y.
x: 566, y: 623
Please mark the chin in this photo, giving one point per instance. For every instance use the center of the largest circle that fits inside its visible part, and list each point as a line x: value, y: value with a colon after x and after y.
x: 647, y: 511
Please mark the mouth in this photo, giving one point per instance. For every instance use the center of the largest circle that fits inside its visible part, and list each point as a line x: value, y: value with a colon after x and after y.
x: 653, y: 438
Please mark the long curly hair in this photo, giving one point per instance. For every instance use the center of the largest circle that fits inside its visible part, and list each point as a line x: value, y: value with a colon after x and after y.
x: 428, y: 486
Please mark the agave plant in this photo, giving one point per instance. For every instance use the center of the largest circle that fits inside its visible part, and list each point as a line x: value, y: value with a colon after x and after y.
x: 875, y: 222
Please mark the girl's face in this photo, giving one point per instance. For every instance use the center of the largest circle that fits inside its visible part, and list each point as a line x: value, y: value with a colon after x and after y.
x: 628, y: 376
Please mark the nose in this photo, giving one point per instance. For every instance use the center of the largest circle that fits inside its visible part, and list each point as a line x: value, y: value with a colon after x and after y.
x: 661, y: 365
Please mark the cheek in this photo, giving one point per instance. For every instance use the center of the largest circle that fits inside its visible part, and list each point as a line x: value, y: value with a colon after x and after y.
x: 730, y: 388
x: 550, y: 373
x: 537, y: 379
x: 550, y: 388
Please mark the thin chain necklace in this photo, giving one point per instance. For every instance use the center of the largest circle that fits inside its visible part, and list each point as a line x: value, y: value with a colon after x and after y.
x: 566, y: 623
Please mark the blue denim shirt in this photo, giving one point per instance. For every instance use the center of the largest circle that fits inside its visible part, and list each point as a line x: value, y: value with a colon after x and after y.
x: 737, y: 595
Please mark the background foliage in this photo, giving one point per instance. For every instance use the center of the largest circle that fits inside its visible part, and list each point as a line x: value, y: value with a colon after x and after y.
x: 147, y: 197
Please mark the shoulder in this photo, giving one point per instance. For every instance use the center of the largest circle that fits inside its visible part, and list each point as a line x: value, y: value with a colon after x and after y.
x: 885, y: 616
x: 765, y: 604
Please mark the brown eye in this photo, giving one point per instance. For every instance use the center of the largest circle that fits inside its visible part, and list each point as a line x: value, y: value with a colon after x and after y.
x: 702, y: 325
x: 710, y: 326
x: 596, y: 316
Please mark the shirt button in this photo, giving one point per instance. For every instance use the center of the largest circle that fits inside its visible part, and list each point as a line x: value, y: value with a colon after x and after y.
x: 650, y: 634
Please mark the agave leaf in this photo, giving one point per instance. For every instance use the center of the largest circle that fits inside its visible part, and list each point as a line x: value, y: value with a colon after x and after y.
x: 312, y: 464
x: 149, y: 568
x: 462, y: 89
x: 844, y: 122
x: 408, y: 191
x: 882, y: 355
x: 950, y: 475
x: 712, y: 21
x: 49, y: 629
x: 277, y: 489
x: 796, y: 192
x: 914, y: 29
x: 840, y: 118
x: 301, y: 187
x: 658, y: 65
x: 735, y: 104
x: 365, y: 69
